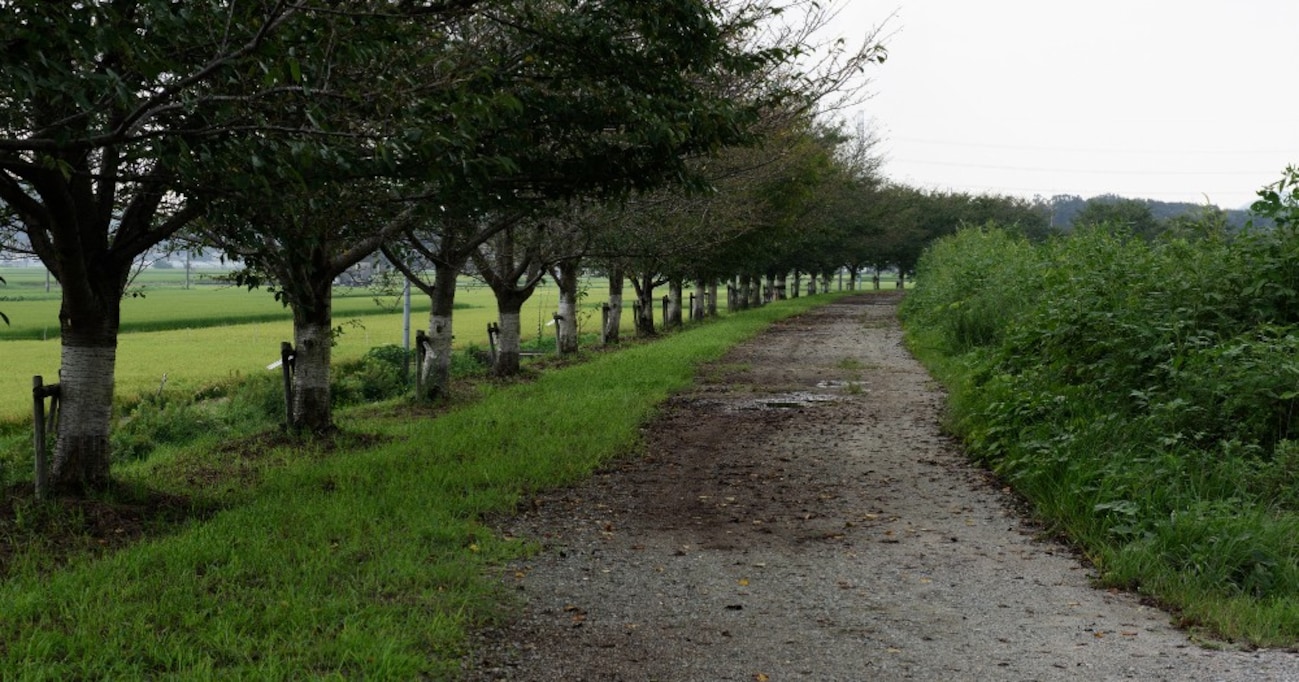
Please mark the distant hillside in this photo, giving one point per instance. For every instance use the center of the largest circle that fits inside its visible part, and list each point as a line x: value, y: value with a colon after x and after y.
x: 1064, y: 207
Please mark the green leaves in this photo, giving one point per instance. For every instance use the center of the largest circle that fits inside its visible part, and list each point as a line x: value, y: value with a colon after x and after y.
x: 1138, y: 399
x: 1279, y: 201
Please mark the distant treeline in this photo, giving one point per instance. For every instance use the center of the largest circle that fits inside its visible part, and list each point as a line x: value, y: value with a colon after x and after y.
x: 1065, y: 209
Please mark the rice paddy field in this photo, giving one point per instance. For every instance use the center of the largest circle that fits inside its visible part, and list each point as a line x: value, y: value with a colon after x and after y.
x: 191, y: 336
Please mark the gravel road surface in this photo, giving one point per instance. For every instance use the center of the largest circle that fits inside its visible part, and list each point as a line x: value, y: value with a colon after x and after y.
x: 799, y: 515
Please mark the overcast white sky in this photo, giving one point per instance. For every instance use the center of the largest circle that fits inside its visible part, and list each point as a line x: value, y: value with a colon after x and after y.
x: 1163, y: 99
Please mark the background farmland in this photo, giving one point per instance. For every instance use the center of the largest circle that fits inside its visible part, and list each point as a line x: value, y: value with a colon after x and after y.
x: 213, y: 331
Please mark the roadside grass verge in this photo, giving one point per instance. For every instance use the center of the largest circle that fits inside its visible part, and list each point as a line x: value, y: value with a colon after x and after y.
x: 366, y: 561
x: 1142, y: 396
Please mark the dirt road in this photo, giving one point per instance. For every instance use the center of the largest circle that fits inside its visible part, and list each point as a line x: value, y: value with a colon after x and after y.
x: 800, y: 516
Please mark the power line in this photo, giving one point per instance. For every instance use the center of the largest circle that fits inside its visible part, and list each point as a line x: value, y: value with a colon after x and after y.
x: 1095, y: 150
x: 1048, y: 192
x: 1032, y: 169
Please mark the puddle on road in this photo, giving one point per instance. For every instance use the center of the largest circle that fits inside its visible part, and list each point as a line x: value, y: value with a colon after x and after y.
x: 841, y: 384
x: 784, y: 401
x: 788, y: 401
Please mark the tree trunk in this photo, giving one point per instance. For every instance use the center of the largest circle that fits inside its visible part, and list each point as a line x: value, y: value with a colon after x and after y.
x: 781, y: 290
x: 437, y: 379
x: 710, y: 308
x: 82, y: 454
x: 89, y: 318
x: 700, y: 309
x: 798, y: 283
x: 645, y: 309
x: 811, y: 285
x: 755, y: 292
x: 567, y: 323
x: 312, y: 345
x: 673, y: 314
x: 513, y: 270
x: 508, y: 345
x: 615, y: 305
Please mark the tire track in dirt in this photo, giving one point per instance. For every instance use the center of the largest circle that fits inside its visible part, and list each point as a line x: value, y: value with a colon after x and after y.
x: 799, y: 515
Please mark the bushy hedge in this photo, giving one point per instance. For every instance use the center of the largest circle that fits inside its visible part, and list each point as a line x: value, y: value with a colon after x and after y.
x: 1143, y: 395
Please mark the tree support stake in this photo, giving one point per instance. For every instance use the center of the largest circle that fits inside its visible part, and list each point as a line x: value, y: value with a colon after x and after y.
x: 43, y: 425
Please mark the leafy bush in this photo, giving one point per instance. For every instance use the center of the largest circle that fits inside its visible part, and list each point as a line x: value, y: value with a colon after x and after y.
x: 972, y: 286
x: 1141, y: 393
x: 380, y: 374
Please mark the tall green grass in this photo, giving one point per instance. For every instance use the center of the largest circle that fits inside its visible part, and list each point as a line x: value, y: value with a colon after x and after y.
x: 365, y: 563
x: 1143, y: 396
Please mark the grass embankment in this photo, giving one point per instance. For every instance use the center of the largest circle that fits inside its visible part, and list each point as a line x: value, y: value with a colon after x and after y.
x: 366, y: 563
x: 1143, y: 397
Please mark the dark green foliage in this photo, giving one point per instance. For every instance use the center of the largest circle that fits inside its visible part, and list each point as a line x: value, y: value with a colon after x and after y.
x: 379, y: 375
x: 1129, y: 215
x: 972, y: 287
x: 1142, y: 393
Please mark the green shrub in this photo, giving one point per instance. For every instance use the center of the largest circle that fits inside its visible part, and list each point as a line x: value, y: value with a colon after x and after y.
x: 1142, y: 394
x: 380, y: 374
x: 970, y: 285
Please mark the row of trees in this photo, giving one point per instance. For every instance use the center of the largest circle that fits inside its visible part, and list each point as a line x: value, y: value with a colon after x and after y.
x: 661, y: 143
x: 300, y: 136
